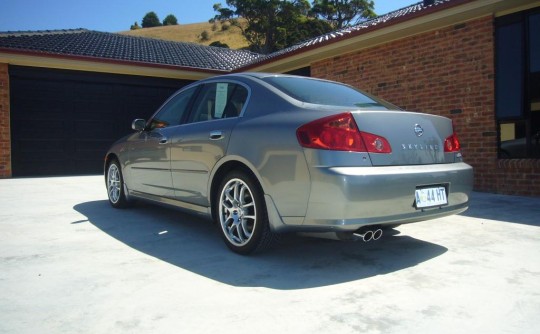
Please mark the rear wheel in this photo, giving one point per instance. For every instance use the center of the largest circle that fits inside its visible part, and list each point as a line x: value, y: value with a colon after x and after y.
x: 115, y: 185
x: 241, y: 214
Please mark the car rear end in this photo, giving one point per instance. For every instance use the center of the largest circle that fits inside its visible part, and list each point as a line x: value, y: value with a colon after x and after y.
x: 382, y: 167
x: 371, y: 164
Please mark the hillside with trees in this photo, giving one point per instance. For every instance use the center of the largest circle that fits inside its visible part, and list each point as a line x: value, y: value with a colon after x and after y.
x: 202, y: 33
x: 263, y: 26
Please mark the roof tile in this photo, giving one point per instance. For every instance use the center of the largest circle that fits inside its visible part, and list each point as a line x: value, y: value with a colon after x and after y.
x: 87, y: 43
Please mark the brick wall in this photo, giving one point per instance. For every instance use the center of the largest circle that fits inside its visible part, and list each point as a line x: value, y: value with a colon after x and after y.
x: 5, y: 137
x: 448, y: 72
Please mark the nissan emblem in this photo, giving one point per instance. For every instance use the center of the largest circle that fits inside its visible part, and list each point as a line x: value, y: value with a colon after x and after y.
x: 418, y: 130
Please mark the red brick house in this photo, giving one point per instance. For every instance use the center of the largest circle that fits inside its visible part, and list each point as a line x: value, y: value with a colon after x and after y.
x: 474, y: 61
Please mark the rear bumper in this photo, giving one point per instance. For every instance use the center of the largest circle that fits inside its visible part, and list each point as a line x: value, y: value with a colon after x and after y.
x: 348, y: 198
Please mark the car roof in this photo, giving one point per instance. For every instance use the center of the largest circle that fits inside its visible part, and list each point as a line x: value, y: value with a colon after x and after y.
x: 260, y: 75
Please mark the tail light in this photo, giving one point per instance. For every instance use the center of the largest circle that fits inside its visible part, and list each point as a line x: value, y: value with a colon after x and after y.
x: 451, y: 144
x: 340, y: 133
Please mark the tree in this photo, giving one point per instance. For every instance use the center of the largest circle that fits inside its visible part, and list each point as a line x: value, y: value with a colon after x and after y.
x: 205, y: 35
x: 218, y: 44
x: 170, y: 20
x: 342, y: 13
x: 150, y: 20
x: 271, y: 25
x: 135, y: 26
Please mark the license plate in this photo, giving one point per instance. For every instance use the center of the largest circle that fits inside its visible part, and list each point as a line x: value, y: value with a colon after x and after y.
x: 429, y: 197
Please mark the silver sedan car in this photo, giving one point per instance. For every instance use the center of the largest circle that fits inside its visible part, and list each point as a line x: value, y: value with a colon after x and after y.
x: 265, y: 154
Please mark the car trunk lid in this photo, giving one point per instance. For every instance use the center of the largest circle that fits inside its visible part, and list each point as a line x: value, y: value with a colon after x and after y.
x: 415, y: 139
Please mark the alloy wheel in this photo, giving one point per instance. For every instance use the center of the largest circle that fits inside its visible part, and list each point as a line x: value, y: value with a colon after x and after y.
x: 114, y: 183
x: 237, y: 212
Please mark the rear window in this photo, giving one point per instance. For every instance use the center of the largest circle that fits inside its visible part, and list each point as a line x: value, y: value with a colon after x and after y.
x: 325, y: 93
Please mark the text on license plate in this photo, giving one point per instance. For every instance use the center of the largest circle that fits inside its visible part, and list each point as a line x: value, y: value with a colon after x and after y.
x: 428, y: 197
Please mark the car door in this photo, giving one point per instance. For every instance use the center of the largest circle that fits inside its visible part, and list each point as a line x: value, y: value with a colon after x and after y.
x: 202, y: 141
x: 150, y: 152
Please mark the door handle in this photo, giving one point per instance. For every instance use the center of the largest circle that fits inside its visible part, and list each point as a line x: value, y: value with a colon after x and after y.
x: 216, y: 135
x: 163, y: 141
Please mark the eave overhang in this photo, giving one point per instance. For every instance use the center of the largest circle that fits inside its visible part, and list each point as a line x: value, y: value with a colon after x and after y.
x: 103, y: 65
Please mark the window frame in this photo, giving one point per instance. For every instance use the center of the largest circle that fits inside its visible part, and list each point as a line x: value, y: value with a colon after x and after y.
x: 189, y: 118
x: 169, y: 101
x: 528, y: 120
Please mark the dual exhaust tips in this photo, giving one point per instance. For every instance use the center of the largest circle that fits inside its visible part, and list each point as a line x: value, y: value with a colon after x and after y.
x: 368, y: 235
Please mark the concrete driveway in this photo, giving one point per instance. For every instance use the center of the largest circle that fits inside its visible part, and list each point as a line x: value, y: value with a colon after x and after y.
x: 69, y: 263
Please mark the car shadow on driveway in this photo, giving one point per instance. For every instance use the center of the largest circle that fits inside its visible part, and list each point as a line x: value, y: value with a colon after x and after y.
x: 507, y: 208
x: 193, y: 243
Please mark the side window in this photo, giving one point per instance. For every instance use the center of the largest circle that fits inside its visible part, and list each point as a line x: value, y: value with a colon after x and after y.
x: 172, y: 113
x: 217, y: 101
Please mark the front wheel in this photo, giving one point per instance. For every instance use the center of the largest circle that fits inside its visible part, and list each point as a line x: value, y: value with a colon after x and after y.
x: 241, y: 214
x: 115, y: 185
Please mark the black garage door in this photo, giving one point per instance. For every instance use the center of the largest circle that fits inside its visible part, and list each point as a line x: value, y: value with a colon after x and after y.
x: 62, y: 122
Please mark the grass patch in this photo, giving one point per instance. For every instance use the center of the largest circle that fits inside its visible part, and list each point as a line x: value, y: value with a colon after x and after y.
x: 232, y: 36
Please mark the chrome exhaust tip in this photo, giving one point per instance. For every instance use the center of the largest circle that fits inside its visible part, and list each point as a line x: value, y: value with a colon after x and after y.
x: 377, y: 234
x: 368, y: 235
x: 365, y: 236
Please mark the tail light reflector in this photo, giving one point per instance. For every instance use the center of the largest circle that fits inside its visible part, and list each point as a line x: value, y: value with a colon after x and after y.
x: 340, y: 133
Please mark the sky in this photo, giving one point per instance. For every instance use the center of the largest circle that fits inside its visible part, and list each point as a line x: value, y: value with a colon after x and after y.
x: 117, y: 15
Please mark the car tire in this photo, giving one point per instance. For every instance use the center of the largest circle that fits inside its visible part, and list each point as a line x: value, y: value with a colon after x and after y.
x: 115, y: 185
x: 240, y: 212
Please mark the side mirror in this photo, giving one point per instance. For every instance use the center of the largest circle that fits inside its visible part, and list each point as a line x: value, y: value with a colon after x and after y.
x: 138, y: 124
